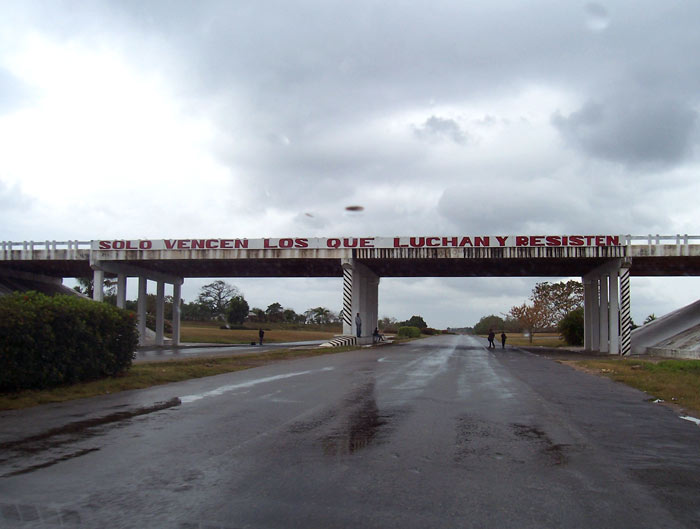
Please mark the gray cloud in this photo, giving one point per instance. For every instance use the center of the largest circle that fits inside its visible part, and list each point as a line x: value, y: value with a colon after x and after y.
x: 635, y: 132
x: 440, y: 128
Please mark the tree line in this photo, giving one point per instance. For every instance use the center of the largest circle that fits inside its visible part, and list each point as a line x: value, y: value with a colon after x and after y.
x: 220, y: 301
x: 551, y: 307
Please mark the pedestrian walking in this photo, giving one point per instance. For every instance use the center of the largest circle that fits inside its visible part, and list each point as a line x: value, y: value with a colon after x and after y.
x: 503, y: 340
x: 358, y: 325
x: 261, y: 334
x: 492, y: 337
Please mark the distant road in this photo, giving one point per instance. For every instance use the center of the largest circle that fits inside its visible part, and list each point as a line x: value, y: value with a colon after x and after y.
x: 436, y: 433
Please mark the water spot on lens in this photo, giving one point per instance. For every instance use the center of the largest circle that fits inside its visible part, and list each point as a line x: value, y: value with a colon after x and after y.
x: 597, y: 17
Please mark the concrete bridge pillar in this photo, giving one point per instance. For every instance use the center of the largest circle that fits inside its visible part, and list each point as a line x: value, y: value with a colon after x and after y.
x: 125, y: 270
x: 360, y: 295
x: 160, y: 312
x: 121, y: 291
x: 141, y: 309
x: 607, y: 308
x: 98, y: 280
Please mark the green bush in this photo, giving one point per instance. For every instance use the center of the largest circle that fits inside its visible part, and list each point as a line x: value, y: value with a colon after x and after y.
x: 409, y: 332
x: 571, y: 327
x: 429, y: 331
x: 151, y: 323
x: 47, y: 341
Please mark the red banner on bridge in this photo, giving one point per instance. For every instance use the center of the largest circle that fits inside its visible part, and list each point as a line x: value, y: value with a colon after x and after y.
x: 299, y: 243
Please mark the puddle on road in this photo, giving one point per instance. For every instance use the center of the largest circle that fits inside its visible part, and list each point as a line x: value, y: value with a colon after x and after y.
x: 363, y: 427
x: 43, y: 441
x: 73, y: 432
x: 27, y: 470
x: 354, y: 425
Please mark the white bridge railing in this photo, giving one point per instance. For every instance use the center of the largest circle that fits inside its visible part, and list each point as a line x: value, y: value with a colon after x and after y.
x: 73, y: 248
x: 27, y: 248
x: 681, y: 241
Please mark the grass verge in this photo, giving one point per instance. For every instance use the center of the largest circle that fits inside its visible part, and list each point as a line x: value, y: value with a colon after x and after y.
x: 674, y: 381
x: 213, y: 334
x: 153, y: 374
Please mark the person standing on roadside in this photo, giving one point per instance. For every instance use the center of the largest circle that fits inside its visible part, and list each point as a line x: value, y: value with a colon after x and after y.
x: 503, y: 340
x: 492, y: 337
x: 358, y: 325
x: 261, y: 334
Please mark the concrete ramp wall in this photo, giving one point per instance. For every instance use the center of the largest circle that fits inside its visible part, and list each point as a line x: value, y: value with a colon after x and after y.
x: 14, y: 284
x: 683, y: 345
x: 665, y: 328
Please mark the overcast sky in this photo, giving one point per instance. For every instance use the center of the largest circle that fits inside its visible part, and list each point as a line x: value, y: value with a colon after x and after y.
x: 175, y: 119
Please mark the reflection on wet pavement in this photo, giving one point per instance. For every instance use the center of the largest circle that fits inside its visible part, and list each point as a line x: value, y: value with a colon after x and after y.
x: 46, y: 445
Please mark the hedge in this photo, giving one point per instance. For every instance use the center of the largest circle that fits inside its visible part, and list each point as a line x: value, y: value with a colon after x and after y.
x: 48, y: 341
x: 409, y: 332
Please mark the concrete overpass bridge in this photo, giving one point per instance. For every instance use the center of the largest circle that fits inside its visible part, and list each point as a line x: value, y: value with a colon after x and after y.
x: 604, y: 262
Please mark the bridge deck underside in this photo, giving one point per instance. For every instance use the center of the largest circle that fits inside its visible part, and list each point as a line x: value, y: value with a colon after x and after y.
x: 391, y: 267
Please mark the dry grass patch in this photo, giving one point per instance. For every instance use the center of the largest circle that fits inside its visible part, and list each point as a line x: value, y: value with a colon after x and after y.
x: 213, y: 334
x: 674, y: 381
x: 145, y: 375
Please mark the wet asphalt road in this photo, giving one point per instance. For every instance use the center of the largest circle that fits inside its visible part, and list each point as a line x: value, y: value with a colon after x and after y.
x: 438, y: 433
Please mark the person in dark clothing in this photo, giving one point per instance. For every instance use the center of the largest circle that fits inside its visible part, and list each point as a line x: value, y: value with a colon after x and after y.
x: 492, y: 337
x: 503, y: 340
x: 261, y: 334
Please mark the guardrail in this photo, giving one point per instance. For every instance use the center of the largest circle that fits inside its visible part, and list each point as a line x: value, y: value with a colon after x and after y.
x: 681, y: 241
x: 28, y: 248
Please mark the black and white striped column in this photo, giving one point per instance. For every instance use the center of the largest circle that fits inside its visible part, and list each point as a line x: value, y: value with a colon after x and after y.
x: 347, y: 299
x: 625, y: 319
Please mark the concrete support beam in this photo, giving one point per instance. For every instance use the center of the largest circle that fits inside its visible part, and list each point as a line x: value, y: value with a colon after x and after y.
x: 364, y: 299
x: 625, y: 318
x: 141, y: 309
x: 160, y: 312
x: 614, y: 316
x: 595, y: 314
x: 589, y: 290
x: 121, y: 291
x: 177, y: 299
x: 605, y: 294
x: 98, y: 281
x: 604, y: 313
x: 136, y: 271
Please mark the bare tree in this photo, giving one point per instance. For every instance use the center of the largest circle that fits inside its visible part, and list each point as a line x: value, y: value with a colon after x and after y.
x: 216, y: 297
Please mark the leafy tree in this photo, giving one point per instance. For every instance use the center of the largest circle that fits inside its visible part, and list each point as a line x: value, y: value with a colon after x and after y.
x: 556, y: 300
x: 289, y: 316
x: 194, y: 312
x: 274, y: 312
x: 532, y: 318
x: 320, y: 315
x: 86, y: 286
x: 571, y: 327
x: 487, y: 323
x: 238, y: 310
x: 257, y: 315
x: 414, y: 321
x: 387, y: 323
x: 216, y: 296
